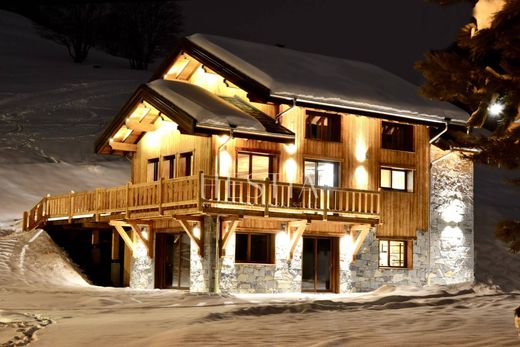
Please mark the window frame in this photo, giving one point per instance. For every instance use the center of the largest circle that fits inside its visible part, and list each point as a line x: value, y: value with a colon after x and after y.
x: 406, y: 144
x: 272, y: 162
x: 330, y: 133
x: 156, y: 176
x: 270, y: 248
x: 170, y: 162
x: 406, y: 244
x: 189, y: 164
x: 337, y: 171
x: 406, y: 172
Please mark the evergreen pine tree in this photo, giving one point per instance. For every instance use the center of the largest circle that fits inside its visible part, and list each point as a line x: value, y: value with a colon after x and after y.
x: 480, y: 72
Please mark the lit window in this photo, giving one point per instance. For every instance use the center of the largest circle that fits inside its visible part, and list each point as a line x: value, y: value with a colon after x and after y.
x: 322, y: 173
x: 397, y: 179
x: 254, y: 166
x: 323, y: 126
x: 254, y: 248
x: 397, y: 136
x: 392, y: 253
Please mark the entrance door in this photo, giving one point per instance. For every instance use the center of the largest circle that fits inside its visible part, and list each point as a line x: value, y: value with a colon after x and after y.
x: 172, y: 262
x: 318, y: 265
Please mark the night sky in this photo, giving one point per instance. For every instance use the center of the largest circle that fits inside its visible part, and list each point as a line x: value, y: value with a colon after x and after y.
x: 390, y: 34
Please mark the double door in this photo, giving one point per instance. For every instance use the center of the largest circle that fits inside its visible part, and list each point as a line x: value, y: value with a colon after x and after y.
x: 319, y: 264
x: 172, y: 261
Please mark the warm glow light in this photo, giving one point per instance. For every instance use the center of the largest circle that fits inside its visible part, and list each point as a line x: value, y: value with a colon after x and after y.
x: 495, y: 108
x: 222, y: 139
x: 453, y: 212
x: 282, y: 240
x: 144, y: 233
x: 225, y: 161
x: 452, y: 235
x: 177, y: 68
x: 290, y: 148
x: 346, y: 244
x: 152, y: 140
x: 361, y: 177
x: 361, y: 149
x: 196, y: 231
x: 290, y: 170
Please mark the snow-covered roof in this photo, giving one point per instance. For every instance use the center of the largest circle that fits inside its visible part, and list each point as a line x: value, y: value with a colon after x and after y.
x: 212, y: 112
x: 325, y: 81
x: 197, y: 111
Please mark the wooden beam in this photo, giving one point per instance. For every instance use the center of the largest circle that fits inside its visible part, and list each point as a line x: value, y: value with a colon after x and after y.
x: 364, y: 230
x: 187, y: 228
x: 138, y: 126
x: 294, y: 236
x: 229, y: 230
x: 125, y: 147
x: 147, y: 241
x: 119, y: 225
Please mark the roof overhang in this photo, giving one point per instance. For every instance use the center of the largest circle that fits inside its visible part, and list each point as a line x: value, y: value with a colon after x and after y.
x: 194, y: 110
x: 261, y: 93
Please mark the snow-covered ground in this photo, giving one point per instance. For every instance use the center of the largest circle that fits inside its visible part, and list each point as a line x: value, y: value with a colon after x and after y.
x: 50, y: 113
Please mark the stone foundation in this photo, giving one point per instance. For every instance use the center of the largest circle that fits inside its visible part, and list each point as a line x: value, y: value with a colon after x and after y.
x: 141, y: 269
x: 284, y: 276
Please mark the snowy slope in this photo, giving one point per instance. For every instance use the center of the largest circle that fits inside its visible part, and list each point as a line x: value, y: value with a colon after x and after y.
x: 51, y: 111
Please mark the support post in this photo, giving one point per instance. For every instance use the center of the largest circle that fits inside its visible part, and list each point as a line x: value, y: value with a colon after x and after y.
x: 188, y: 229
x: 294, y: 236
x: 358, y: 241
x: 227, y: 229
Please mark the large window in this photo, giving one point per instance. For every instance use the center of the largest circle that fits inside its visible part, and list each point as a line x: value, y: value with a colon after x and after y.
x: 323, y: 126
x: 392, y: 253
x: 254, y: 166
x: 397, y: 179
x: 152, y: 170
x: 322, y: 173
x: 177, y: 165
x: 397, y: 136
x: 254, y: 248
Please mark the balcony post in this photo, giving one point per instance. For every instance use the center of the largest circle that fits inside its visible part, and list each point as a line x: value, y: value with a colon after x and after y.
x: 25, y: 220
x: 127, y: 201
x: 200, y: 194
x: 325, y: 202
x: 267, y: 196
x: 160, y: 197
x: 71, y: 204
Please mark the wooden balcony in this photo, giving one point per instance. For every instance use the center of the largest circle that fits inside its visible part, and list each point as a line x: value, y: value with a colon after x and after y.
x: 212, y: 195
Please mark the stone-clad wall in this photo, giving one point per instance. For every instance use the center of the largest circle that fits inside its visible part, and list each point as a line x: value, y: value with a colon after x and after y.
x: 141, y: 269
x: 365, y: 273
x: 451, y: 220
x: 443, y: 255
x: 284, y: 276
x: 201, y: 274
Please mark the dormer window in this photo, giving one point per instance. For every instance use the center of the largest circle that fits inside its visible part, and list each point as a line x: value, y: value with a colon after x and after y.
x: 323, y: 126
x: 397, y: 136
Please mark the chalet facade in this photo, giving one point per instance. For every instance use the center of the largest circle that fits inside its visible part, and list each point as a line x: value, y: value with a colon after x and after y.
x: 263, y: 169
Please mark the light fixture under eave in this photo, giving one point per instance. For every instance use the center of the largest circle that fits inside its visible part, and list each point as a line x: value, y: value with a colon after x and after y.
x: 290, y: 148
x: 196, y: 231
x: 496, y: 108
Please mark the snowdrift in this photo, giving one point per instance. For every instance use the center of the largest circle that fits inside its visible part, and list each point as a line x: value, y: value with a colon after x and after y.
x: 33, y: 259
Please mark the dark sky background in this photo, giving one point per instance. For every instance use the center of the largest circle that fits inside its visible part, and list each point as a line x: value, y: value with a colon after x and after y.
x: 392, y: 34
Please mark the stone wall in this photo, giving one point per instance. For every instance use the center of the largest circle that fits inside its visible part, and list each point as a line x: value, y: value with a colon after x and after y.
x: 201, y: 273
x: 364, y: 273
x: 141, y: 268
x: 284, y: 276
x: 443, y: 255
x: 451, y: 220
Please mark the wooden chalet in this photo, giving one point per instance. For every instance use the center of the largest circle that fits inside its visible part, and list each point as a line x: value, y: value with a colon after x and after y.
x: 254, y: 160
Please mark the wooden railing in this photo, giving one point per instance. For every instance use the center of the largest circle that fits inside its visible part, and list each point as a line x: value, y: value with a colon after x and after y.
x: 201, y: 193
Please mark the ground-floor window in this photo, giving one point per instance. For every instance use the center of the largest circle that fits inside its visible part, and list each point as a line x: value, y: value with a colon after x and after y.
x: 392, y: 253
x: 254, y: 248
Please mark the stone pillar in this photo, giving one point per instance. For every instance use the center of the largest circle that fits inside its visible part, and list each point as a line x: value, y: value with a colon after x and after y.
x: 141, y: 268
x: 451, y: 220
x: 202, y: 268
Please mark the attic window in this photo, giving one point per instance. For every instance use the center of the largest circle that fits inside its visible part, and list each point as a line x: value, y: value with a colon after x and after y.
x: 397, y: 136
x: 323, y: 126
